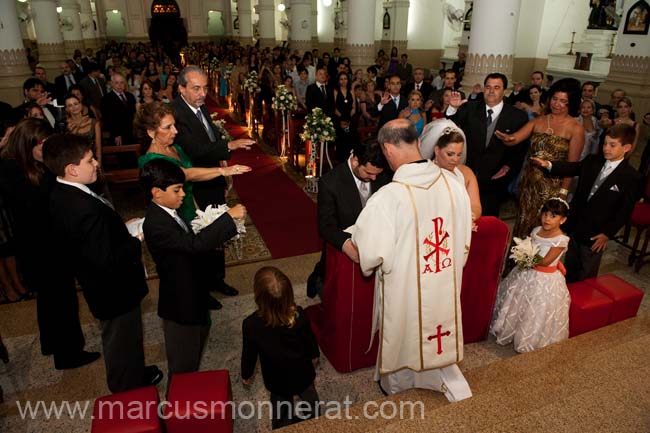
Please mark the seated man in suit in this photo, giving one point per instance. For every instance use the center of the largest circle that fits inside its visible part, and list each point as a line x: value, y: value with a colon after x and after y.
x: 319, y: 94
x: 608, y: 187
x: 392, y: 103
x: 94, y: 85
x: 34, y: 91
x: 41, y: 74
x: 105, y: 259
x: 118, y: 111
x: 342, y: 193
x: 64, y: 81
x: 174, y: 247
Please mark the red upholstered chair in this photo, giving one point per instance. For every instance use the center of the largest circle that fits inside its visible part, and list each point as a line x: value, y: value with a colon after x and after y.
x: 626, y: 297
x: 134, y: 411
x: 343, y: 321
x: 589, y: 310
x: 481, y: 277
x: 640, y: 219
x: 199, y: 403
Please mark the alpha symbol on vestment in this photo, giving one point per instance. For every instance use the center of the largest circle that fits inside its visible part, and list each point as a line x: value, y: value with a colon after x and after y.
x: 439, y: 336
x: 437, y: 246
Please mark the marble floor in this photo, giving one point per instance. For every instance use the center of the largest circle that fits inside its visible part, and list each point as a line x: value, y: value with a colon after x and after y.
x: 597, y: 382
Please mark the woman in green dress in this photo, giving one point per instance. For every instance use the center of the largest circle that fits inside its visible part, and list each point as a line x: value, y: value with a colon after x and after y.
x: 154, y: 124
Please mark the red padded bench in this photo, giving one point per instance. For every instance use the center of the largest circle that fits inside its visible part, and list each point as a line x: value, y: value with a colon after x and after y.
x: 199, y: 402
x: 589, y: 310
x: 625, y: 296
x: 134, y: 411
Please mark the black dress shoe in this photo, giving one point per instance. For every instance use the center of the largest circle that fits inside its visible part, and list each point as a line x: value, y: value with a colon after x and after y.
x: 152, y: 375
x: 228, y: 290
x: 76, y: 361
x: 214, y: 304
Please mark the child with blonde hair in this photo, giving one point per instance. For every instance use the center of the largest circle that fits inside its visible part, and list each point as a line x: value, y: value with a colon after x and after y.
x: 280, y: 334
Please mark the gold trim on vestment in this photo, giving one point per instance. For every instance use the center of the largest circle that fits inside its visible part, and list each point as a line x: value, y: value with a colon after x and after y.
x: 453, y: 219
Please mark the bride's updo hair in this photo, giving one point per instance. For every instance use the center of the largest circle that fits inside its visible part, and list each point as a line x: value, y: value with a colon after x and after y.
x: 435, y: 131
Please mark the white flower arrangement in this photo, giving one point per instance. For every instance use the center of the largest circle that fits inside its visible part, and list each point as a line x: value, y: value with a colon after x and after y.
x: 220, y: 124
x: 210, y: 215
x: 525, y: 253
x: 250, y: 83
x: 215, y: 63
x: 284, y: 100
x: 318, y: 127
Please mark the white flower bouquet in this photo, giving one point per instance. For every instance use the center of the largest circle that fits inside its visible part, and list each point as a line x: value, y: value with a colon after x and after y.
x: 318, y: 127
x: 250, y: 83
x: 211, y: 214
x: 525, y: 253
x: 220, y: 124
x: 284, y: 100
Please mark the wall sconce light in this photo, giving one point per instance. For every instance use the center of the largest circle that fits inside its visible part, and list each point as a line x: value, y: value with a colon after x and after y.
x: 281, y: 7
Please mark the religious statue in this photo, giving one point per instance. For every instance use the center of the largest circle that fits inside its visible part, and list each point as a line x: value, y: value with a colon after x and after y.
x: 603, y: 15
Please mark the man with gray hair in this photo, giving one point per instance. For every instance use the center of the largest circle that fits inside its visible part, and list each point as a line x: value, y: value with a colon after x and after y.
x: 118, y: 111
x: 204, y: 144
x: 415, y: 233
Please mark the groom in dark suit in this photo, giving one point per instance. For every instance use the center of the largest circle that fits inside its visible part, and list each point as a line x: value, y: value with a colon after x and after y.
x: 342, y: 193
x: 608, y: 188
x: 202, y: 142
x: 494, y: 163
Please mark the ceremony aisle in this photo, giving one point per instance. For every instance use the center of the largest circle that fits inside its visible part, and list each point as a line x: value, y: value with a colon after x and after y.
x: 283, y: 214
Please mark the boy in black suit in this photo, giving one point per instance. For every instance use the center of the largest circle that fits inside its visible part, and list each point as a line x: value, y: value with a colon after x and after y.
x: 608, y: 188
x: 105, y: 259
x: 183, y: 302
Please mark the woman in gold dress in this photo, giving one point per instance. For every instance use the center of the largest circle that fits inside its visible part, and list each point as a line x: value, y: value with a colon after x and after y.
x: 556, y: 136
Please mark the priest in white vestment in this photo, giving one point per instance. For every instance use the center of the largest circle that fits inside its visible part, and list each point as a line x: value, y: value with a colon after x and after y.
x: 415, y: 232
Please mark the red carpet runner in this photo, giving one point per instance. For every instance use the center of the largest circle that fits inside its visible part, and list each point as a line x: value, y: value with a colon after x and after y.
x: 281, y: 211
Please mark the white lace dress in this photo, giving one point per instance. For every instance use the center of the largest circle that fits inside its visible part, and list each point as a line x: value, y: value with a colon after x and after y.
x: 532, y: 307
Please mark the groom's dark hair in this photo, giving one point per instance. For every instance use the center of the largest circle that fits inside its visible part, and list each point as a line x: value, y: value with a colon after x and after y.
x: 160, y: 173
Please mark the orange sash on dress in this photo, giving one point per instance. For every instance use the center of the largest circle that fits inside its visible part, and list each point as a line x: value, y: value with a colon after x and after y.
x: 550, y: 269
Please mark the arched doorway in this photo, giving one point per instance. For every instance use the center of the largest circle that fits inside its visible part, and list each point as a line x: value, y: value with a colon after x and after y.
x: 167, y: 28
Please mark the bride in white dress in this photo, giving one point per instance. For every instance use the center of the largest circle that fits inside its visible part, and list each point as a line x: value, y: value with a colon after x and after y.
x: 532, y: 307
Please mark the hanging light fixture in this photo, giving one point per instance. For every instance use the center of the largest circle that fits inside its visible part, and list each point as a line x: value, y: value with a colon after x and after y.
x: 281, y: 7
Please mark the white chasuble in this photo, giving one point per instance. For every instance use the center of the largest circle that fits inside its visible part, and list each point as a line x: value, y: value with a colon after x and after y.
x: 415, y: 232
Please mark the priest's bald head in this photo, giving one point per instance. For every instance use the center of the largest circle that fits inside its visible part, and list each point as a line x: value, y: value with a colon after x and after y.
x: 400, y: 143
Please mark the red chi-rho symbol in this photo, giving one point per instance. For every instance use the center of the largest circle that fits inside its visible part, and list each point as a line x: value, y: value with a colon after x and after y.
x: 437, y: 243
x: 439, y: 336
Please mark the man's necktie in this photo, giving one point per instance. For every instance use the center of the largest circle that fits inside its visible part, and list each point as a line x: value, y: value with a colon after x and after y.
x: 101, y: 91
x: 489, y: 117
x: 604, y: 172
x: 364, y: 193
x: 103, y: 200
x: 395, y: 101
x: 417, y: 87
x: 322, y: 90
x: 207, y: 128
x: 181, y: 223
x: 122, y: 98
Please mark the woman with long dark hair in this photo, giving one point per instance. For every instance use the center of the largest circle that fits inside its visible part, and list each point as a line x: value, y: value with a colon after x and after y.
x: 26, y: 186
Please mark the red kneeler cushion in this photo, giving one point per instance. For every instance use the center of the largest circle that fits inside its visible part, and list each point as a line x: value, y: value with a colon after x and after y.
x: 198, y: 403
x: 626, y: 297
x: 134, y: 411
x: 481, y: 277
x: 589, y: 309
x: 343, y: 320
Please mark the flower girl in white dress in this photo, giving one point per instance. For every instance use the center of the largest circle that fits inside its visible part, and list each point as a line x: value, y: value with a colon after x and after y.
x: 532, y: 307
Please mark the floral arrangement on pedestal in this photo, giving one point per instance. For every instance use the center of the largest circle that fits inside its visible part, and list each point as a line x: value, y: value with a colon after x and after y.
x: 220, y: 124
x: 525, y: 253
x: 319, y: 129
x: 214, y: 64
x: 284, y: 100
x: 250, y: 83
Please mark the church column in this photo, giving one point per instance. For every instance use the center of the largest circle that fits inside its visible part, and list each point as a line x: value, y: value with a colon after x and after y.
x: 244, y: 13
x: 300, y: 33
x: 266, y: 11
x: 341, y: 24
x: 71, y: 27
x: 13, y: 60
x: 314, y: 23
x: 51, y: 51
x: 361, y: 34
x: 491, y: 40
x: 100, y: 19
x: 227, y: 18
x: 87, y: 25
x: 630, y: 67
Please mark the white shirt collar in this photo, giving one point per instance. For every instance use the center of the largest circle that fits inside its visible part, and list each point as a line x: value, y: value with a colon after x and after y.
x: 496, y: 110
x: 170, y: 211
x: 81, y: 186
x: 194, y: 110
x: 356, y: 179
x: 613, y: 164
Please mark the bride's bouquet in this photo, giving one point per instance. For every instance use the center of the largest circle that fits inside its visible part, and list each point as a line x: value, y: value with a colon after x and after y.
x: 250, y: 83
x: 525, y: 253
x: 220, y: 124
x: 318, y: 127
x: 284, y: 99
